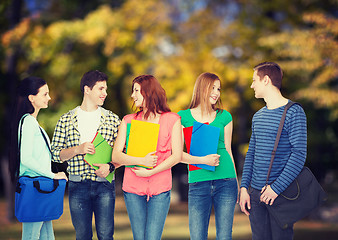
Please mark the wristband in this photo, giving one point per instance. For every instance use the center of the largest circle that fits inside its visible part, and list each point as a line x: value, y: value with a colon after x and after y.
x: 111, y: 167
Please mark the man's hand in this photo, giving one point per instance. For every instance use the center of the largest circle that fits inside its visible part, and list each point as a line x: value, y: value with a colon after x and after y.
x: 103, y: 170
x: 244, y: 201
x: 268, y: 196
x: 85, y: 148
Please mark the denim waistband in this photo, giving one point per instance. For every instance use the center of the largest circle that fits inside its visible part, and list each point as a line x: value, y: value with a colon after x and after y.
x: 77, y: 178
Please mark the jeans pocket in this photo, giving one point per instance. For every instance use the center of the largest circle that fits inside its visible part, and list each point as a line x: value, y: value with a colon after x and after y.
x: 110, y: 186
x: 193, y: 184
x: 73, y: 185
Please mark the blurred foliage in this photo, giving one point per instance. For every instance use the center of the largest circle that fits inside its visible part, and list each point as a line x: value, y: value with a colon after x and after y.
x: 310, y: 56
x: 176, y: 41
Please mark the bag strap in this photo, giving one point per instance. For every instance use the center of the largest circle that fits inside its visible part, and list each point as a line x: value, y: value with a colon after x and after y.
x: 56, y: 167
x: 20, y: 123
x: 44, y: 137
x: 36, y: 184
x: 279, y: 132
x: 19, y: 146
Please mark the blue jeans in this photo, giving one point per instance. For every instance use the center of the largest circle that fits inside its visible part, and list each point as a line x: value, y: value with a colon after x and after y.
x: 222, y: 194
x: 263, y: 226
x: 37, y: 230
x: 147, y: 218
x: 88, y: 197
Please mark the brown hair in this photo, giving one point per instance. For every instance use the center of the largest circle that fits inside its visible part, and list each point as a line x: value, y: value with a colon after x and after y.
x: 202, y: 90
x: 154, y: 95
x: 91, y: 78
x: 272, y: 70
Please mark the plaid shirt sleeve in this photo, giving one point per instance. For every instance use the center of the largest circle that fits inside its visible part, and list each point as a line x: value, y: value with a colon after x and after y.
x: 59, y: 140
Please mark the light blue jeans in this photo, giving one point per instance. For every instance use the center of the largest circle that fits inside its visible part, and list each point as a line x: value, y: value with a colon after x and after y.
x: 222, y: 194
x: 147, y: 218
x: 88, y: 197
x: 37, y: 230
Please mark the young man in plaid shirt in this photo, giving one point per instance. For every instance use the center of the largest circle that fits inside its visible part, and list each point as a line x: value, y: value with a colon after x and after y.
x: 89, y: 191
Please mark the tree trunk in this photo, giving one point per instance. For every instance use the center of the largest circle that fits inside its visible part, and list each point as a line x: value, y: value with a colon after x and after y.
x: 11, y: 79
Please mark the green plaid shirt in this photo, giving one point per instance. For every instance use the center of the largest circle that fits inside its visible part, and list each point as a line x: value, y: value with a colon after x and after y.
x: 67, y: 135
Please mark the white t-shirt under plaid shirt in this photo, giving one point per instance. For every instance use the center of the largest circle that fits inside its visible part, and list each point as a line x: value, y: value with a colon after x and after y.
x: 89, y: 122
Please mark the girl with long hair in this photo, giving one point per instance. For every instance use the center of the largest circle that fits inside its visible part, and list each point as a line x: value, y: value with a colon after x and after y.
x: 207, y: 188
x: 35, y: 156
x: 147, y: 191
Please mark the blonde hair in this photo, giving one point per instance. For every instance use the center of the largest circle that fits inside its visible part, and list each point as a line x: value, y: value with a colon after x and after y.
x: 202, y: 89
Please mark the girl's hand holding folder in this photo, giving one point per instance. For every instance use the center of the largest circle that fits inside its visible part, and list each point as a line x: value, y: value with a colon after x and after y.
x: 211, y: 160
x: 150, y: 160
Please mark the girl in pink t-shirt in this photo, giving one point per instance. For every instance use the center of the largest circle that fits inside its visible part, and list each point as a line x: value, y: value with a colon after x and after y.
x: 147, y: 191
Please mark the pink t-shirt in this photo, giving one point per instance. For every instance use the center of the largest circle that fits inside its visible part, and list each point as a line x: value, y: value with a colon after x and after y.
x: 160, y: 182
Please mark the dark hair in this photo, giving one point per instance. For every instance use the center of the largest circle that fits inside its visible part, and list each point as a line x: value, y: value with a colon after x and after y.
x: 90, y: 78
x: 202, y: 90
x: 28, y: 86
x: 154, y: 95
x: 272, y: 70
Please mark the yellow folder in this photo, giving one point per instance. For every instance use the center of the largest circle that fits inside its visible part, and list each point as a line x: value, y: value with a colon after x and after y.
x: 103, y: 152
x: 143, y: 139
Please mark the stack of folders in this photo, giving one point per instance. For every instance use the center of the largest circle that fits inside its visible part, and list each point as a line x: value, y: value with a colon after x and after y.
x: 103, y: 152
x: 201, y: 139
x: 142, y: 138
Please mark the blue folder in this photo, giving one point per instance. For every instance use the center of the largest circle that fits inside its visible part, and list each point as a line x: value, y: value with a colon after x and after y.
x: 204, y: 141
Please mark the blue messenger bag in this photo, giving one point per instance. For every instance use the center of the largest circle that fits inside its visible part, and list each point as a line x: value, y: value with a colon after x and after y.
x: 39, y: 198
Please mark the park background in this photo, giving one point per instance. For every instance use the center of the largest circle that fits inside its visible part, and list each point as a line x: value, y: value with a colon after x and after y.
x: 60, y: 40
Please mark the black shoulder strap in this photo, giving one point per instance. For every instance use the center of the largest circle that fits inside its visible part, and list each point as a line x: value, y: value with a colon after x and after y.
x: 44, y: 137
x: 19, y: 146
x: 20, y: 123
x: 56, y: 167
x: 280, y: 128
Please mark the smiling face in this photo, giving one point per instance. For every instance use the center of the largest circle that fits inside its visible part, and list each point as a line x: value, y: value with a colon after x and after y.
x: 41, y: 99
x: 215, y: 92
x: 137, y: 96
x: 98, y: 93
